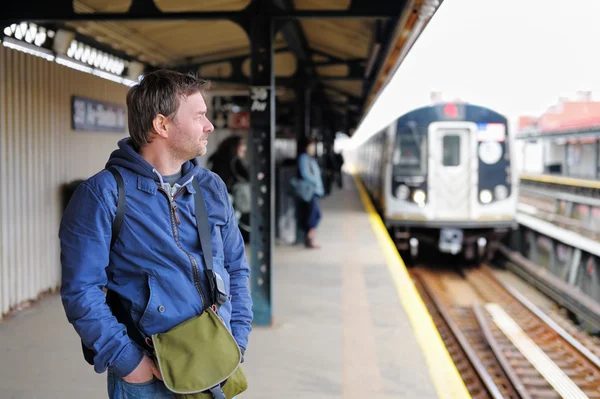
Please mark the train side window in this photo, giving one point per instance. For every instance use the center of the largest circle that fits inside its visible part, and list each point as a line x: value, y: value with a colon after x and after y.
x: 451, y: 150
x: 410, y: 151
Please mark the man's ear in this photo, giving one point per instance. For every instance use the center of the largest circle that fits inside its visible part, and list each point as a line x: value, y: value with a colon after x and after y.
x: 159, y: 124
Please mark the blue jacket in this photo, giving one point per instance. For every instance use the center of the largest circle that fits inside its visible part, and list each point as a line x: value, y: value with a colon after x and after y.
x: 310, y: 171
x: 154, y: 262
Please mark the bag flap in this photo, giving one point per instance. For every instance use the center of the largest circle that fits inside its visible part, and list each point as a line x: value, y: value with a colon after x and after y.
x: 196, y: 355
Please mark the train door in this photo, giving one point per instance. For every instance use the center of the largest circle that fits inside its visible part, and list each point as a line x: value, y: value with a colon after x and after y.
x: 450, y: 170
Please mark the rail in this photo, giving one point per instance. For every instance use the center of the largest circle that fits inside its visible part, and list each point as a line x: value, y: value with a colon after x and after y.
x: 469, y: 352
x: 532, y: 355
x: 495, y: 347
x: 543, y: 317
x: 556, y: 358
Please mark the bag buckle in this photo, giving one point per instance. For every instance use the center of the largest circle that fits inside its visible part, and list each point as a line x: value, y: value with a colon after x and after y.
x: 220, y: 294
x: 217, y: 392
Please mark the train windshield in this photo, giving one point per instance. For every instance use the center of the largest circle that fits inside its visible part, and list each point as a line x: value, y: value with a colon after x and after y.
x: 410, y: 154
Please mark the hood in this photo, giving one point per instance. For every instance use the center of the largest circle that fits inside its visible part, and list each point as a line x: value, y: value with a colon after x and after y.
x: 126, y: 156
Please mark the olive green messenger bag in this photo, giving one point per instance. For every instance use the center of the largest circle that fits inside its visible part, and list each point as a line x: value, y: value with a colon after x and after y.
x: 199, y: 358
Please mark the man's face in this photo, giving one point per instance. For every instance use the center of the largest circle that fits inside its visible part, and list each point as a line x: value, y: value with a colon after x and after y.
x: 189, y: 130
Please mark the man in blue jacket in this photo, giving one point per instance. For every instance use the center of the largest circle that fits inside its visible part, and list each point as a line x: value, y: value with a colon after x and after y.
x: 155, y: 265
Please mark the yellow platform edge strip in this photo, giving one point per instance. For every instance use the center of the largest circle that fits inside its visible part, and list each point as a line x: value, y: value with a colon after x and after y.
x: 444, y: 374
x: 562, y: 180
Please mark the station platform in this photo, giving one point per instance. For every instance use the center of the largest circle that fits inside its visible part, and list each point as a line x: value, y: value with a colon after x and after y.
x: 348, y: 323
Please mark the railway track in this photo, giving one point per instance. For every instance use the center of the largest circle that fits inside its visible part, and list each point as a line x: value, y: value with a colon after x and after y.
x: 502, y: 345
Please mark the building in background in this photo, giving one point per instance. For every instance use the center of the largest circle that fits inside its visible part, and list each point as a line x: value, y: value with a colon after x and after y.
x: 564, y: 139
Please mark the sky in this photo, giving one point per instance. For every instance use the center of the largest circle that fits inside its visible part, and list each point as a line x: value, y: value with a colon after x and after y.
x: 514, y: 56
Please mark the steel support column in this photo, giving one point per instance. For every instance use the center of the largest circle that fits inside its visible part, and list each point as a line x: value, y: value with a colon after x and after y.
x: 575, y: 266
x: 597, y: 160
x: 306, y: 112
x: 517, y: 242
x: 303, y: 95
x: 552, y: 262
x: 317, y: 117
x: 261, y: 151
x: 565, y: 171
x: 300, y: 116
x: 303, y: 92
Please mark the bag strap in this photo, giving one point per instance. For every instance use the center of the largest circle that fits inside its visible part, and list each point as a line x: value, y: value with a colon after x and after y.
x: 120, y: 215
x: 204, y: 234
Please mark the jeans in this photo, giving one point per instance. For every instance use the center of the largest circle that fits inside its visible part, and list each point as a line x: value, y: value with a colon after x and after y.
x: 310, y: 213
x: 155, y: 389
x: 119, y: 389
x: 314, y: 216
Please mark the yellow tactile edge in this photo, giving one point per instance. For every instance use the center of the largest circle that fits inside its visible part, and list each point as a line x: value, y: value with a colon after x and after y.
x: 444, y: 375
x: 562, y: 180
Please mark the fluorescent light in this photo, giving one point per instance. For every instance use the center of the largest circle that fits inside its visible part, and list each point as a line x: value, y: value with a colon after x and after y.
x: 115, y: 78
x: 28, y: 48
x: 67, y: 61
x: 108, y: 76
x: 40, y: 38
x: 62, y: 60
x: 129, y: 82
x: 80, y: 66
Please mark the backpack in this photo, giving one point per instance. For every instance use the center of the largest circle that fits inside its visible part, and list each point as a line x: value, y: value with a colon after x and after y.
x: 242, y: 196
x: 302, y: 189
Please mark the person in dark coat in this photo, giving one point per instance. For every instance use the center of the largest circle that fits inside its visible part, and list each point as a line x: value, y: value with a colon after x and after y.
x: 228, y: 161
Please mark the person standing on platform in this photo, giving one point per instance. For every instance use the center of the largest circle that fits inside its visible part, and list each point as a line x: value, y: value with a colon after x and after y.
x: 228, y: 161
x: 159, y: 269
x: 309, y: 171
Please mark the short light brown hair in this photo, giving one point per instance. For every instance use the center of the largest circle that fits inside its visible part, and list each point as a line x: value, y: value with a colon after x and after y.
x: 159, y: 92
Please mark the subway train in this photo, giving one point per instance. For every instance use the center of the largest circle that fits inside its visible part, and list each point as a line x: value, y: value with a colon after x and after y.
x: 440, y: 176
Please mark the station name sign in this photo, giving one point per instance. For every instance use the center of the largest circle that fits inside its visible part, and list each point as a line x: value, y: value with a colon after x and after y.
x: 98, y: 116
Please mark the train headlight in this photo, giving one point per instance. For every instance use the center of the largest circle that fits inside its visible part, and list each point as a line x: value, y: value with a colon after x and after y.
x: 500, y: 192
x: 485, y: 196
x: 402, y: 192
x: 419, y: 197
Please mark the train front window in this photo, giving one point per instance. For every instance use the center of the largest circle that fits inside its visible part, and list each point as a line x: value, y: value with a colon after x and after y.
x: 410, y: 154
x: 451, y: 150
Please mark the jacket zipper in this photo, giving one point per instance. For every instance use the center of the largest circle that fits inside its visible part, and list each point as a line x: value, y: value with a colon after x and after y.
x: 175, y: 221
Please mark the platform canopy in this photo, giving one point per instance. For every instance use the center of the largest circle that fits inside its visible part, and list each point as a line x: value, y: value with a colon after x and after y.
x: 344, y: 50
